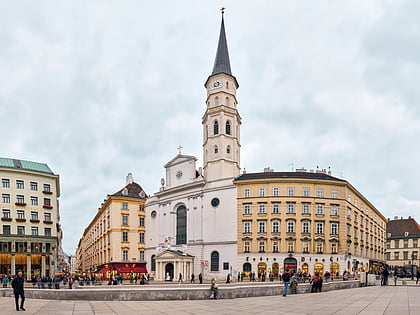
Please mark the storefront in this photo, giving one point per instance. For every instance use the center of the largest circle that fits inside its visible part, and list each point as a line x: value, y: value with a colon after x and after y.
x: 290, y: 264
x: 127, y: 270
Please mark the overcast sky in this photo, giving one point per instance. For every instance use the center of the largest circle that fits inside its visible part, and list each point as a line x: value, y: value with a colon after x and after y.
x: 97, y: 89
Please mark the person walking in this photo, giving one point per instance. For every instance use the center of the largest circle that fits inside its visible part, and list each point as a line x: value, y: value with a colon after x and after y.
x: 327, y: 276
x: 192, y: 278
x: 213, y: 289
x: 200, y: 278
x: 180, y: 277
x: 417, y: 276
x: 17, y: 285
x: 286, y: 280
x: 385, y: 274
x: 228, y: 278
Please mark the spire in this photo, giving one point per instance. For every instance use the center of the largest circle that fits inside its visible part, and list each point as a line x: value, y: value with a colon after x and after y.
x: 222, y: 63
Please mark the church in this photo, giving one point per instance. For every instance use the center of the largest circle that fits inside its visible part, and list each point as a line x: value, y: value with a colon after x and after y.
x: 191, y: 220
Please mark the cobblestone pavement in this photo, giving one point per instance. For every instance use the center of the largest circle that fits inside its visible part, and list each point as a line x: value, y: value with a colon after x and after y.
x: 367, y: 301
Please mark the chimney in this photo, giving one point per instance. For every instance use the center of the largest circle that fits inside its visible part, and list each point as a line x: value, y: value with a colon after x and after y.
x: 129, y: 178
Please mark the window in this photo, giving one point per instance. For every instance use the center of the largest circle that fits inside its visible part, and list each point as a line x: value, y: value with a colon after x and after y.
x: 290, y: 191
x: 141, y: 207
x: 214, y: 261
x: 125, y: 254
x: 141, y: 237
x: 247, y: 227
x: 275, y: 208
x: 355, y: 218
x: 348, y: 197
x: 142, y: 255
x: 320, y: 192
x: 246, y: 193
x: 396, y: 255
x: 261, y: 227
x: 276, y: 246
x: 6, y: 213
x: 6, y: 229
x: 47, y: 187
x: 262, y: 192
x: 34, y: 186
x: 305, y: 247
x: 319, y: 209
x: 34, y: 201
x: 261, y: 246
x: 125, y: 220
x: 141, y: 221
x: 47, y: 216
x: 20, y: 230
x: 290, y: 227
x: 34, y: 230
x: 290, y: 247
x: 216, y: 149
x: 261, y: 208
x: 21, y: 214
x: 290, y: 208
x: 405, y: 245
x: 216, y: 128
x: 306, y: 208
x: 47, y: 202
x: 5, y: 182
x: 227, y: 98
x: 181, y: 225
x: 276, y: 227
x: 334, y: 194
x: 348, y: 230
x: 334, y: 210
x: 34, y: 215
x: 334, y: 248
x: 247, y: 246
x: 228, y: 149
x: 319, y: 248
x: 275, y: 191
x: 125, y: 236
x: 216, y: 100
x: 20, y: 199
x: 125, y: 205
x: 319, y: 228
x: 305, y: 227
x: 20, y: 184
x: 47, y: 231
x: 227, y: 126
x: 6, y: 198
x: 334, y: 228
x: 247, y: 209
x: 306, y: 192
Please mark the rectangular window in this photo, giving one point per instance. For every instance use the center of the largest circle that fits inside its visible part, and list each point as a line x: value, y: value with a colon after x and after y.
x: 141, y: 237
x: 247, y: 227
x: 20, y: 199
x: 319, y: 209
x: 290, y: 247
x: 261, y: 227
x: 21, y: 214
x: 125, y: 220
x: 142, y: 221
x: 334, y: 228
x: 275, y: 191
x: 125, y: 236
x: 405, y: 255
x: 125, y: 254
x: 290, y: 227
x: 306, y: 208
x: 334, y: 210
x: 275, y: 208
x: 47, y: 216
x: 20, y: 230
x: 276, y: 246
x: 125, y: 205
x: 6, y: 198
x: 290, y: 191
x: 276, y: 227
x: 6, y: 229
x: 5, y: 182
x: 320, y: 192
x: 47, y: 231
x: 141, y: 207
x: 319, y: 248
x: 20, y: 184
x: 262, y: 192
x: 355, y: 218
x: 47, y: 187
x: 141, y: 255
x: 319, y: 228
x: 261, y: 246
x: 261, y: 209
x: 247, y: 246
x: 47, y: 202
x: 396, y: 255
x: 305, y: 227
x: 334, y: 248
x: 247, y: 209
x: 34, y: 201
x: 6, y: 213
x: 306, y: 192
x: 334, y: 194
x: 34, y: 230
x: 290, y: 208
x: 305, y: 247
x: 247, y: 193
x: 34, y: 186
x: 34, y: 215
x: 348, y: 197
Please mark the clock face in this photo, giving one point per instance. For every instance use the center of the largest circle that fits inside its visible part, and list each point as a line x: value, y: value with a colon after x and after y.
x: 216, y: 84
x: 179, y: 174
x: 215, y: 202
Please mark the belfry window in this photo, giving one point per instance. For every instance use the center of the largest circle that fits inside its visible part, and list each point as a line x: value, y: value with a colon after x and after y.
x: 228, y: 149
x: 228, y: 128
x: 227, y: 100
x: 216, y: 100
x: 216, y: 149
x: 181, y: 225
x: 216, y: 128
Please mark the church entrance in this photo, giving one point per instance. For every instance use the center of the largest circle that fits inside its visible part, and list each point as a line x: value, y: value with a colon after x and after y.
x: 169, y: 272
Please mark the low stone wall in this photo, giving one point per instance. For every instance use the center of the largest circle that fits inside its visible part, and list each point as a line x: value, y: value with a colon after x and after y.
x: 172, y: 292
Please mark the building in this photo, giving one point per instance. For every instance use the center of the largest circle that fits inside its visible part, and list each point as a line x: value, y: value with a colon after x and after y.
x: 191, y: 220
x: 402, y: 242
x: 31, y: 233
x: 114, y: 241
x: 308, y: 221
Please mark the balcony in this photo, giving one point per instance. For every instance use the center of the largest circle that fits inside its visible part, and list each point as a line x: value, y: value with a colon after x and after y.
x: 47, y: 206
x: 34, y: 220
x: 48, y: 222
x: 6, y: 219
x: 20, y: 219
x: 21, y: 204
x: 47, y: 192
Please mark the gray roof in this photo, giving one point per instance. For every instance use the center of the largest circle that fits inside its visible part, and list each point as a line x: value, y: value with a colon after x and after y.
x: 222, y: 63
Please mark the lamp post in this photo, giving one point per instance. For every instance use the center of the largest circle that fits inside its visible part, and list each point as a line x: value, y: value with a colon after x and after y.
x: 412, y: 266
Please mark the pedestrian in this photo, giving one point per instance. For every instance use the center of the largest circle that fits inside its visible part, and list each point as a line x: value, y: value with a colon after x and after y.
x: 17, y: 285
x: 180, y: 277
x: 228, y: 278
x: 213, y: 289
x: 417, y: 276
x: 200, y: 278
x: 286, y: 280
x: 395, y: 278
x: 293, y: 285
x: 5, y: 281
x: 239, y: 276
x: 345, y: 276
x: 327, y: 276
x: 192, y: 278
x: 385, y: 274
x: 314, y: 282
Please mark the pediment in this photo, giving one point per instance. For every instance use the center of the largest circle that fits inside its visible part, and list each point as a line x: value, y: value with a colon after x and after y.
x: 180, y: 159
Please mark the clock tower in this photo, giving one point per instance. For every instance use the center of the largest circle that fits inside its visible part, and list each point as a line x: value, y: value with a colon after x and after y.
x: 221, y: 121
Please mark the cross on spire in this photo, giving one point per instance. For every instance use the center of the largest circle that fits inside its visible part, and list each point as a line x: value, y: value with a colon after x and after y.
x: 179, y: 149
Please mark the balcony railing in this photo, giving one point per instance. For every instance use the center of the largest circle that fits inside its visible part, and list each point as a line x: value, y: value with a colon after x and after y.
x: 47, y: 192
x: 20, y: 219
x: 48, y: 222
x: 47, y: 206
x: 20, y: 204
x: 6, y: 219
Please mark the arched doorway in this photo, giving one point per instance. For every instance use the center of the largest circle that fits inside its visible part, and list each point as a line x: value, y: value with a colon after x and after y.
x: 334, y: 269
x: 319, y: 269
x: 247, y: 268
x: 275, y: 270
x: 262, y: 268
x: 305, y: 269
x: 290, y: 264
x: 169, y: 271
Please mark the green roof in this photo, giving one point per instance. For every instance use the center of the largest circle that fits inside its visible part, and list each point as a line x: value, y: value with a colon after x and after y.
x: 25, y: 165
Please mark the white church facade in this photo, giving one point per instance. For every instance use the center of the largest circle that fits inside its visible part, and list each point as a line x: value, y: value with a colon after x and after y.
x: 191, y: 221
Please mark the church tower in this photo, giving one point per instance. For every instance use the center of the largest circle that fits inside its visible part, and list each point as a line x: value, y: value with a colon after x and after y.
x: 221, y: 121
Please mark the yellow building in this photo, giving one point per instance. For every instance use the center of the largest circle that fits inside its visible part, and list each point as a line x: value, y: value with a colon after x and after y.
x: 114, y: 241
x: 30, y: 237
x: 308, y: 221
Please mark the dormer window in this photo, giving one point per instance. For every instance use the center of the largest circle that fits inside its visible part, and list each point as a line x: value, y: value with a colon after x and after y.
x: 216, y: 128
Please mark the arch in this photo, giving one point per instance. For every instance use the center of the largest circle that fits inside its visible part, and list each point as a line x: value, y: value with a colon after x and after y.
x: 153, y: 263
x: 227, y: 101
x: 228, y: 131
x: 216, y: 149
x: 290, y: 263
x: 169, y: 271
x: 216, y: 127
x: 247, y: 268
x: 214, y: 261
x: 275, y: 269
x: 305, y: 268
x: 228, y: 149
x: 216, y: 100
x: 262, y: 268
x: 181, y: 225
x: 319, y: 269
x: 334, y: 269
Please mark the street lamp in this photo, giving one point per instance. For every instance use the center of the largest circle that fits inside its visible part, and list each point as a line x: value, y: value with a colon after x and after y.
x: 412, y: 266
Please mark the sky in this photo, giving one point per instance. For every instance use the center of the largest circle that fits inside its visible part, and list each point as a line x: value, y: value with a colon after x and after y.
x: 98, y: 89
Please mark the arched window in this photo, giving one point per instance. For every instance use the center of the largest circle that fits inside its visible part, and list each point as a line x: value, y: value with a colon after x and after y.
x: 228, y: 149
x: 214, y: 261
x: 227, y: 101
x: 216, y: 149
x: 216, y: 100
x: 247, y: 267
x: 228, y: 127
x: 227, y: 84
x: 216, y: 127
x: 181, y: 225
x: 153, y: 263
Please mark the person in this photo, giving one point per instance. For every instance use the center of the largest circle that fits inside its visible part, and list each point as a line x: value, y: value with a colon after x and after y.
x: 200, y: 278
x: 286, y: 280
x: 228, y: 278
x: 327, y: 276
x: 293, y: 285
x: 213, y: 289
x: 417, y: 276
x: 395, y: 278
x: 5, y: 281
x: 192, y: 278
x: 345, y: 276
x: 180, y: 277
x: 17, y: 285
x: 239, y: 276
x: 385, y: 274
x: 315, y: 285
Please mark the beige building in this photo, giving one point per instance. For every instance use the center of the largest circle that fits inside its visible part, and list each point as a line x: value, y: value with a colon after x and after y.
x: 308, y: 221
x: 30, y: 236
x: 402, y: 246
x: 114, y: 241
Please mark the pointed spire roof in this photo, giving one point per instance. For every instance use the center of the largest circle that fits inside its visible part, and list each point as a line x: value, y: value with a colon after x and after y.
x: 222, y: 62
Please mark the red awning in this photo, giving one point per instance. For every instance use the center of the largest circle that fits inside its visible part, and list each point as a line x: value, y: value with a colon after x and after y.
x: 127, y: 268
x: 103, y: 270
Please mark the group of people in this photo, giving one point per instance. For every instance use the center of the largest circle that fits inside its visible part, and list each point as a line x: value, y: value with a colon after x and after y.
x: 290, y: 279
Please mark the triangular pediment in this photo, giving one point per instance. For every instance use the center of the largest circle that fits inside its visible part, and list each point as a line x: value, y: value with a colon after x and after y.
x: 179, y: 159
x: 172, y: 254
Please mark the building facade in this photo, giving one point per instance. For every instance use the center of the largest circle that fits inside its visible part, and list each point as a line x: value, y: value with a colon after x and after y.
x: 31, y: 235
x: 402, y: 246
x: 114, y: 241
x: 306, y: 221
x: 191, y: 220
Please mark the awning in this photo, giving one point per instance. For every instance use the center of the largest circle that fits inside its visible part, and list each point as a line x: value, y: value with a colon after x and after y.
x: 127, y: 268
x: 103, y: 270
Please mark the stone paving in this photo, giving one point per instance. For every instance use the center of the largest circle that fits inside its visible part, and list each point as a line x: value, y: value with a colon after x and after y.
x: 366, y: 301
